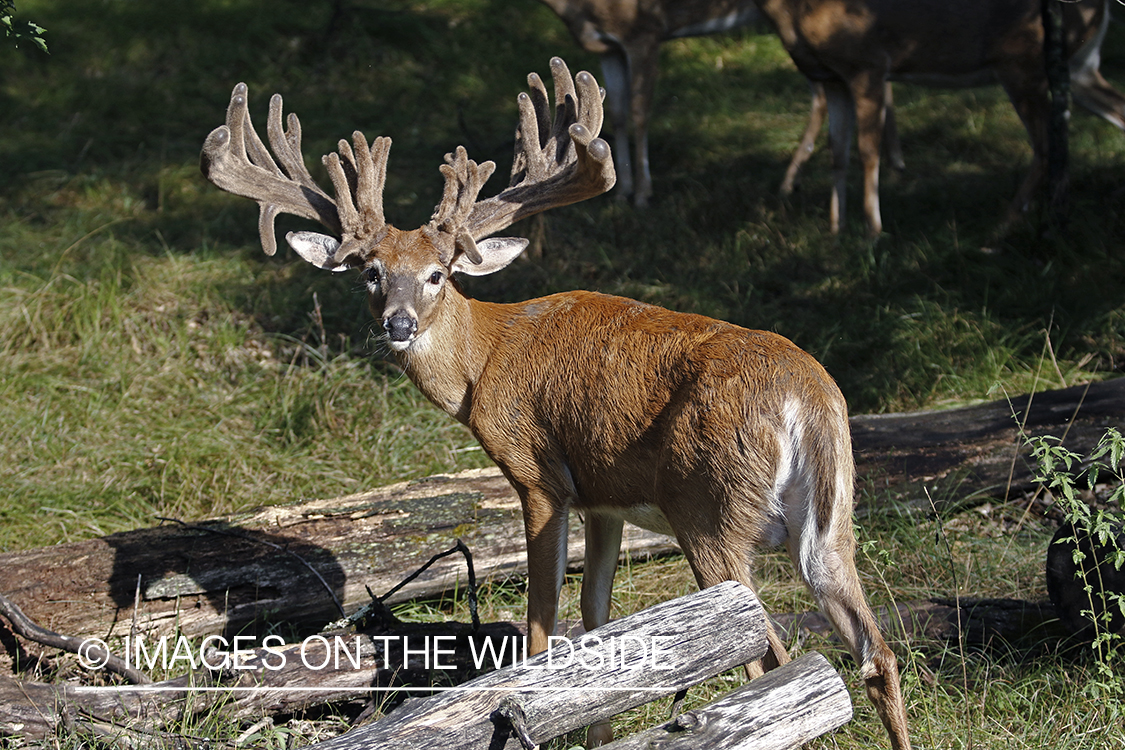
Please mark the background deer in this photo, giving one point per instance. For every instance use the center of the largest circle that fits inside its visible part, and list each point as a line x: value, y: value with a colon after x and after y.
x: 627, y: 36
x: 731, y: 439
x: 853, y: 49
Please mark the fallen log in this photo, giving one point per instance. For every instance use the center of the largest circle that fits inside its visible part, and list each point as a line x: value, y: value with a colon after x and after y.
x: 302, y: 562
x: 967, y: 455
x: 700, y: 635
x: 599, y: 674
x: 783, y: 709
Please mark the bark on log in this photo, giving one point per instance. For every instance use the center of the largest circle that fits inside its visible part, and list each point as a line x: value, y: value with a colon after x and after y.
x: 783, y: 709
x: 621, y: 665
x: 222, y: 575
x: 979, y: 622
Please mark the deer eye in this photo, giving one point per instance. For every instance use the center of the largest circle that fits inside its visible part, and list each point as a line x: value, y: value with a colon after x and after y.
x: 436, y: 277
x: 371, y: 276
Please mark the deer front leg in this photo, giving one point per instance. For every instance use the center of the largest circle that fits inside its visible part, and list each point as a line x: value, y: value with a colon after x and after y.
x: 545, y: 524
x: 603, y: 546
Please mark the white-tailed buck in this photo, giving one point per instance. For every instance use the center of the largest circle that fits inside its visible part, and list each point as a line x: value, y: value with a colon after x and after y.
x: 855, y: 48
x: 731, y: 439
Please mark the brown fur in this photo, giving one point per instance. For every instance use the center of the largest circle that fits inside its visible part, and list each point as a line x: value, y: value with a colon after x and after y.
x: 731, y: 439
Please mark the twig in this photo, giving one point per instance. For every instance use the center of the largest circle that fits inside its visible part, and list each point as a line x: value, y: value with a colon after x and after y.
x: 23, y: 625
x: 464, y: 550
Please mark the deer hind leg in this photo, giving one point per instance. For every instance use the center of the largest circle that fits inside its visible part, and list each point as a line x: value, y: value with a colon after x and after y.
x: 827, y: 566
x: 817, y: 112
x: 644, y: 62
x: 1027, y: 89
x: 1088, y: 86
x: 841, y: 118
x: 719, y: 549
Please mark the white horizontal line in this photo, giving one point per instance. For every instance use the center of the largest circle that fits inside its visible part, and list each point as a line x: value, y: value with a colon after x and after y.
x: 213, y: 689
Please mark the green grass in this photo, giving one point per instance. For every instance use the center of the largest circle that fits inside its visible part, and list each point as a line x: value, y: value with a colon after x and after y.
x: 154, y: 362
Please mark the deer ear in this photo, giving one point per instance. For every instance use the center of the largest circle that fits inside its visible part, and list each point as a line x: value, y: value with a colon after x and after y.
x: 495, y: 253
x: 318, y: 249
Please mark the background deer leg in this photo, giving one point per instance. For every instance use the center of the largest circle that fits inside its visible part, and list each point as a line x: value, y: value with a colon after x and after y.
x: 615, y: 76
x: 1087, y: 85
x: 644, y: 58
x: 892, y: 146
x: 868, y: 92
x: 603, y: 546
x: 817, y: 112
x: 1027, y: 89
x: 841, y: 115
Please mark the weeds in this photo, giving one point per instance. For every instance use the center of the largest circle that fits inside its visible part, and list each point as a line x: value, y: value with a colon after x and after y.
x: 1094, y: 534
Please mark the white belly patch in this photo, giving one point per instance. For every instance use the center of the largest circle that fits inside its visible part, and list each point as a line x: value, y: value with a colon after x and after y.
x: 646, y: 516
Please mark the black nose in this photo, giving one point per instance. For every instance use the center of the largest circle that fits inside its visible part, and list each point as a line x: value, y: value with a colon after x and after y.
x: 400, y: 326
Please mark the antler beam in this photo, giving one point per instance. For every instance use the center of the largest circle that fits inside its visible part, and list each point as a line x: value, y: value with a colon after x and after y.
x: 236, y: 160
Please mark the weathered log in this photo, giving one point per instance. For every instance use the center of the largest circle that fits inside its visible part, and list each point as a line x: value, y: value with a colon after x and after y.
x: 289, y: 562
x: 976, y: 452
x: 781, y: 710
x: 700, y: 635
x: 219, y: 576
x: 599, y: 674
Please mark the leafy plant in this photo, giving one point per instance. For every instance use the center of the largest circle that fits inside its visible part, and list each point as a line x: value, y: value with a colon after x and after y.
x: 1094, y: 534
x: 20, y: 30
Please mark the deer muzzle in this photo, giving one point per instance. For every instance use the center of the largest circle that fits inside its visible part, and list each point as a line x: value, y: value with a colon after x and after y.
x: 400, y: 326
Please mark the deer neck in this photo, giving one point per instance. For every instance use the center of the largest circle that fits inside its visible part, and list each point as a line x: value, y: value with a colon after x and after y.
x: 447, y: 360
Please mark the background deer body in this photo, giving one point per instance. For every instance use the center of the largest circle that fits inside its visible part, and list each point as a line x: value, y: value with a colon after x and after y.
x: 731, y: 439
x: 854, y: 49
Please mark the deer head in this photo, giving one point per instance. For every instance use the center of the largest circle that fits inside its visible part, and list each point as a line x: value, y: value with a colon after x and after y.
x: 558, y: 161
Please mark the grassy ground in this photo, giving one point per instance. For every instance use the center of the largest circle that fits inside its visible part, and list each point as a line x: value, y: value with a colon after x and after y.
x: 154, y: 362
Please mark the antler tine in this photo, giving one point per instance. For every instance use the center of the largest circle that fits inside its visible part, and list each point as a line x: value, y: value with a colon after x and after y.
x: 361, y: 173
x: 557, y: 162
x: 235, y: 159
x: 372, y: 180
x: 464, y: 179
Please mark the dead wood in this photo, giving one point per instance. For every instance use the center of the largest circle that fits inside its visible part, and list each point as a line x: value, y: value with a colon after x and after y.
x: 975, y: 453
x: 284, y: 563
